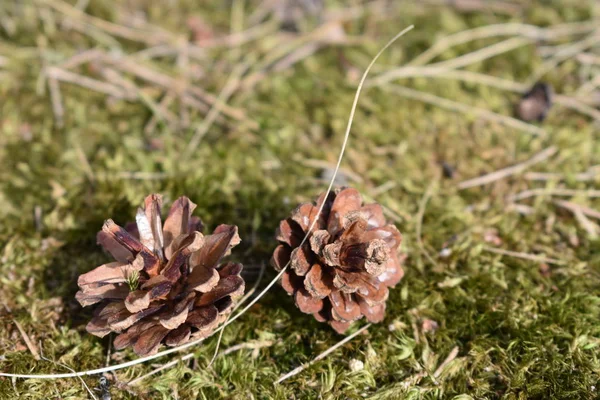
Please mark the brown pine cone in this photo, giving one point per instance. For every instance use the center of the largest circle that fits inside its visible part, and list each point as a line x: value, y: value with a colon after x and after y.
x: 343, y: 271
x: 166, y: 285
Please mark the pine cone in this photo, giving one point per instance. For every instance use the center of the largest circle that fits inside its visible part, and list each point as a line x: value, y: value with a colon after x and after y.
x: 167, y: 285
x: 343, y: 271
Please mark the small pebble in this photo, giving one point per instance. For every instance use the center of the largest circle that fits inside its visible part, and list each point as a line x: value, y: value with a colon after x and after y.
x: 536, y: 103
x: 429, y: 325
x: 445, y: 253
x: 356, y: 365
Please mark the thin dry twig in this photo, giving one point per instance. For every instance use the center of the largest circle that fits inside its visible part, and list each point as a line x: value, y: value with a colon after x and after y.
x: 508, y: 29
x: 564, y: 54
x: 420, y: 215
x: 30, y: 345
x: 590, y: 175
x: 321, y: 164
x: 230, y: 86
x: 577, y: 105
x: 508, y: 171
x: 458, y: 62
x: 164, y: 104
x: 242, y: 301
x: 87, y: 168
x: 137, y: 35
x: 321, y: 356
x: 56, y: 100
x: 451, y: 356
x: 240, y: 38
x: 591, y: 228
x: 574, y: 207
x: 176, y: 86
x: 87, y: 82
x: 84, y: 57
x: 552, y: 192
x: 138, y: 175
x: 525, y: 256
x: 256, y: 345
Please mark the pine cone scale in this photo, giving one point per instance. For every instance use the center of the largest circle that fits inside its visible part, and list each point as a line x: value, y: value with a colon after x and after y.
x: 178, y: 336
x: 300, y: 260
x: 281, y: 256
x: 307, y: 303
x: 177, y: 223
x: 137, y: 301
x: 318, y: 282
x: 114, y: 272
x: 149, y: 340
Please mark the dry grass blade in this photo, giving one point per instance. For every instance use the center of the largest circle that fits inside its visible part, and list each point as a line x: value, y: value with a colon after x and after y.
x: 30, y: 345
x: 56, y: 99
x: 229, y: 88
x: 451, y: 356
x: 321, y: 356
x: 564, y: 54
x: 525, y: 256
x: 509, y: 29
x: 512, y: 170
x: 574, y: 207
x: 458, y: 62
x: 590, y: 175
x: 591, y: 228
x: 553, y: 192
x: 168, y: 83
x: 465, y: 109
x: 420, y: 215
x: 74, y: 14
x: 86, y: 82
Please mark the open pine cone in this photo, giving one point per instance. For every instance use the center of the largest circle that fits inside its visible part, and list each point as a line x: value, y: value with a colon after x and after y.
x: 167, y: 285
x: 343, y: 271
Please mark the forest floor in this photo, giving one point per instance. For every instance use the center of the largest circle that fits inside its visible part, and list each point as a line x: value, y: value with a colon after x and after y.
x: 242, y: 106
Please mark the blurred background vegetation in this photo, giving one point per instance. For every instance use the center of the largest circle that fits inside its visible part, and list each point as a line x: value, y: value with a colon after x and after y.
x: 241, y: 105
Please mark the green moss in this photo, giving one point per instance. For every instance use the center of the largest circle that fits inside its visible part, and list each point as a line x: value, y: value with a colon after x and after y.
x: 521, y: 332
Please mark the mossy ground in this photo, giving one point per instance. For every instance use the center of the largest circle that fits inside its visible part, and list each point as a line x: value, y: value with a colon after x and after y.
x: 523, y: 330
